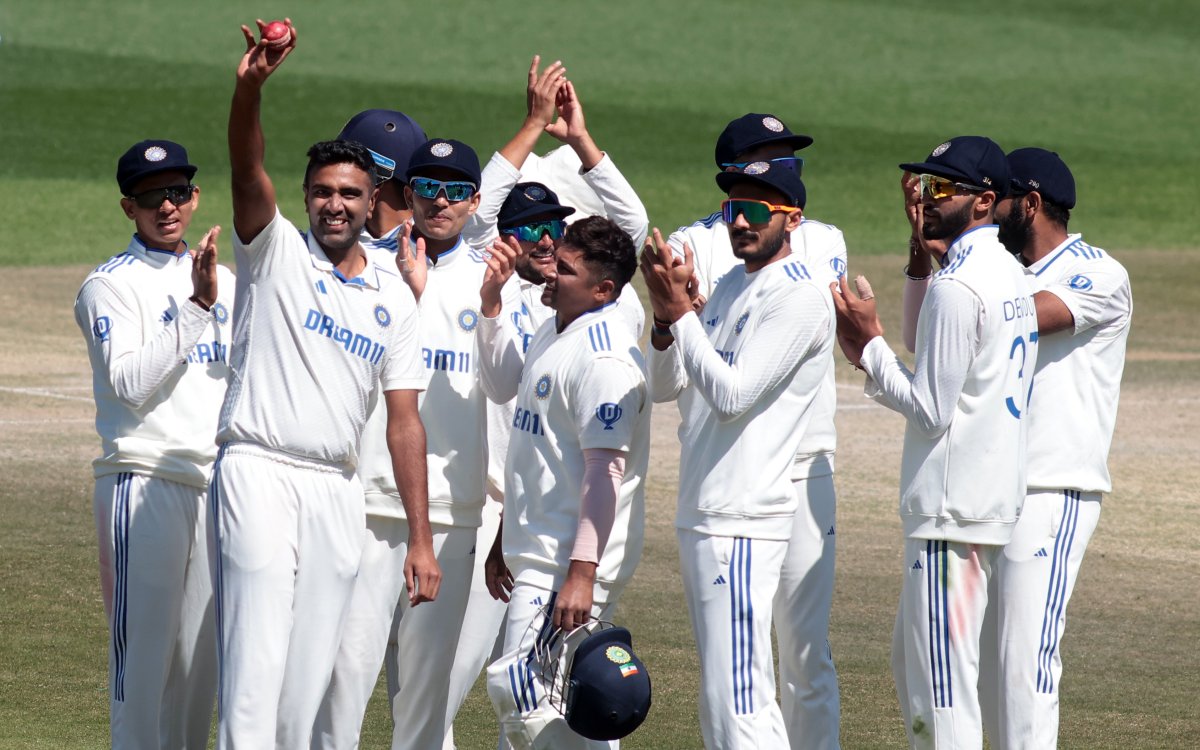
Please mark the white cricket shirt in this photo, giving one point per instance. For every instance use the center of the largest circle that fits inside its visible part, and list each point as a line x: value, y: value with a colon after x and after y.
x: 1073, y: 405
x: 582, y: 388
x: 822, y: 250
x: 962, y: 475
x: 311, y: 347
x: 747, y: 377
x: 159, y: 363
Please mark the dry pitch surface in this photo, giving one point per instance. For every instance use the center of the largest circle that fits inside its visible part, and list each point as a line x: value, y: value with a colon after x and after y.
x: 1131, y: 649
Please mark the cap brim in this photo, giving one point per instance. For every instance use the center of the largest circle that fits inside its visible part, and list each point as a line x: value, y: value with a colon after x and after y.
x: 937, y: 170
x: 127, y: 187
x: 523, y: 217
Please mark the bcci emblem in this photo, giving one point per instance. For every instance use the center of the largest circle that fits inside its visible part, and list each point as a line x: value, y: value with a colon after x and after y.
x: 541, y: 389
x: 535, y: 193
x: 770, y: 123
x: 608, y: 414
x: 220, y: 314
x: 155, y: 153
x: 441, y: 150
x: 382, y: 316
x: 941, y: 149
x: 741, y: 323
x: 468, y: 319
x: 758, y: 167
x: 617, y: 655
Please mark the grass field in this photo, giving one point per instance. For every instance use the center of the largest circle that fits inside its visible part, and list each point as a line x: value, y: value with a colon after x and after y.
x: 1114, y: 87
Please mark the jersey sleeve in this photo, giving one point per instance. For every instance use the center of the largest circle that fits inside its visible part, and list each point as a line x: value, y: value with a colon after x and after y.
x: 135, y: 362
x: 498, y: 180
x: 605, y: 402
x: 262, y: 255
x: 1096, y: 296
x: 501, y: 357
x: 792, y: 324
x: 621, y: 203
x: 402, y: 366
x: 927, y: 396
x: 701, y: 246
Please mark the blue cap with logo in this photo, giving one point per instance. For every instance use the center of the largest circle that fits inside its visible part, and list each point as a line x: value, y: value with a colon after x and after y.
x: 764, y: 173
x: 971, y: 159
x: 752, y: 130
x: 150, y: 157
x: 390, y: 136
x: 1044, y: 172
x: 527, y: 200
x: 609, y: 693
x: 446, y: 153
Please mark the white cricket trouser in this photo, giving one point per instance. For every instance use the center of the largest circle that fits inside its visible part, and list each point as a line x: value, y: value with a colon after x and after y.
x: 527, y: 719
x: 807, y: 679
x: 1033, y: 583
x: 427, y: 636
x: 478, y: 642
x: 935, y: 645
x: 288, y: 536
x: 730, y: 583
x: 162, y: 653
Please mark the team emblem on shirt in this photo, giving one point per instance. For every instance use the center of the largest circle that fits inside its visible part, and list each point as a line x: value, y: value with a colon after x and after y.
x: 441, y: 150
x: 220, y: 314
x: 382, y: 316
x: 758, y: 167
x: 770, y: 123
x: 155, y: 153
x: 941, y: 149
x: 541, y: 389
x: 102, y: 327
x: 468, y: 319
x: 1080, y: 283
x: 617, y: 655
x: 535, y: 193
x: 741, y: 323
x: 608, y: 414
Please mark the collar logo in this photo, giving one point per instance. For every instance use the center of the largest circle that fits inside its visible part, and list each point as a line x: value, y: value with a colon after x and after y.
x: 941, y: 149
x: 441, y: 150
x: 617, y: 655
x: 770, y: 123
x: 541, y: 389
x: 535, y: 193
x: 382, y: 316
x: 155, y: 153
x: 758, y: 167
x: 468, y: 319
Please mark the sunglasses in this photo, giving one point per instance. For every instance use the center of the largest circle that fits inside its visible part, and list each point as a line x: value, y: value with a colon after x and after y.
x: 794, y: 163
x: 455, y: 191
x: 756, y: 212
x: 177, y: 194
x: 385, y: 168
x: 533, y: 232
x: 940, y: 187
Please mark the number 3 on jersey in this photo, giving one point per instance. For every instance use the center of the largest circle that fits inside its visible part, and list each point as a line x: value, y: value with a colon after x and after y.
x: 1027, y: 351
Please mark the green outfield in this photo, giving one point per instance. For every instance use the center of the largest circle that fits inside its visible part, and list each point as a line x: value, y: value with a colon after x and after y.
x: 1113, y: 86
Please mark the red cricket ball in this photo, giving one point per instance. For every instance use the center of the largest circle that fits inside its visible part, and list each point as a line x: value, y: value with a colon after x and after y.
x: 276, y: 31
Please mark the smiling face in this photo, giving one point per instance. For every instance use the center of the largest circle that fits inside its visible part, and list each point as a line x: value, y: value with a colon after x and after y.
x: 339, y: 199
x: 438, y: 218
x: 163, y: 226
x: 537, y: 258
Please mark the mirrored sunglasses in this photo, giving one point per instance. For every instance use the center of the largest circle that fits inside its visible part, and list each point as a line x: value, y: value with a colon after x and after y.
x: 794, y: 163
x: 429, y: 188
x: 177, y: 194
x: 756, y: 212
x: 534, y: 231
x: 940, y: 187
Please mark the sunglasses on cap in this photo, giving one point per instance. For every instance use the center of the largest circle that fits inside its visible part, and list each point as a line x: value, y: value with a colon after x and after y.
x: 794, y: 163
x: 177, y: 194
x: 756, y: 212
x: 940, y: 187
x: 385, y: 168
x: 429, y: 188
x: 533, y: 232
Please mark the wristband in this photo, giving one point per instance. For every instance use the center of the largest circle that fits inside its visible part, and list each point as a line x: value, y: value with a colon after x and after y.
x: 201, y: 305
x: 661, y: 327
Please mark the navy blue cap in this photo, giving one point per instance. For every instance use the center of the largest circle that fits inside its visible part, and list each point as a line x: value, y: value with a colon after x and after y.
x: 1042, y: 171
x: 145, y: 158
x: 609, y: 694
x: 754, y: 129
x: 527, y: 200
x: 971, y: 159
x: 775, y: 176
x: 446, y: 153
x: 390, y: 136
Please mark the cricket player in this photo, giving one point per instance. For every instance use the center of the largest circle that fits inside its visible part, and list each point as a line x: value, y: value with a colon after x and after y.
x: 322, y: 333
x: 442, y: 182
x: 807, y: 679
x: 747, y: 373
x: 962, y: 476
x: 1084, y: 305
x: 156, y: 319
x: 575, y: 475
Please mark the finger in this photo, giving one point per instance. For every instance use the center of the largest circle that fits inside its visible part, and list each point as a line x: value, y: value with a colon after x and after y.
x: 421, y: 250
x: 650, y: 251
x: 837, y: 291
x: 251, y: 42
x: 689, y: 258
x: 410, y: 580
x: 533, y: 70
x: 864, y: 288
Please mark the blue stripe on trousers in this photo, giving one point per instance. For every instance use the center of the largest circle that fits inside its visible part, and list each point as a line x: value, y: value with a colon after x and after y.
x: 1056, y: 592
x: 742, y: 614
x: 120, y: 614
x: 936, y: 579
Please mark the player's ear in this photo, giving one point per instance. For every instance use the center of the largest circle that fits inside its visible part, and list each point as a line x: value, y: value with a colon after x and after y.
x: 985, y: 202
x: 1032, y: 203
x: 605, y: 289
x: 195, y: 197
x: 474, y: 204
x: 127, y: 206
x: 793, y: 220
x: 408, y: 197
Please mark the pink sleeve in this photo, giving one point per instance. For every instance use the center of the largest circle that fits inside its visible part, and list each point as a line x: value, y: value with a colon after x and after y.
x: 914, y: 295
x: 603, y: 470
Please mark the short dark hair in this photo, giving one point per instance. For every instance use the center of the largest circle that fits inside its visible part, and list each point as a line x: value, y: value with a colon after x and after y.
x: 324, y: 153
x: 1058, y: 215
x: 605, y: 247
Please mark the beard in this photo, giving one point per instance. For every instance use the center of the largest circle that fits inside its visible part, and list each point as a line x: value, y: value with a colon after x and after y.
x: 950, y: 225
x: 769, y: 244
x: 1016, y: 232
